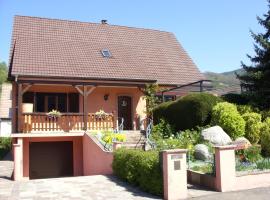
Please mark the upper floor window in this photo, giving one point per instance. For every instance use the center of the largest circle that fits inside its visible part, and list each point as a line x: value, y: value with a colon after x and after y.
x: 106, y: 53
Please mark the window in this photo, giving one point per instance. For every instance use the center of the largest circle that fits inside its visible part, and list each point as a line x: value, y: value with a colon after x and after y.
x: 45, y: 102
x: 106, y: 53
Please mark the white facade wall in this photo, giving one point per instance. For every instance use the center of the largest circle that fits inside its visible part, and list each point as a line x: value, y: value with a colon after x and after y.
x: 5, y: 128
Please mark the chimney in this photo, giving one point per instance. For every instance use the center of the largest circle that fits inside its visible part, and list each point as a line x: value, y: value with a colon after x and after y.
x: 104, y: 21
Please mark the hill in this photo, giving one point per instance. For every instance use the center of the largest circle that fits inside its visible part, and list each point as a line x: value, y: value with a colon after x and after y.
x: 225, y: 82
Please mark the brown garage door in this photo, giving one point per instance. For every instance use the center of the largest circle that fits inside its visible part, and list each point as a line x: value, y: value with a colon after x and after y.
x: 50, y: 159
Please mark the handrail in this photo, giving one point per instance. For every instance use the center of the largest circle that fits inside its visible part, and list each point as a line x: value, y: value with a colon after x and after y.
x: 65, y: 122
x: 148, y: 132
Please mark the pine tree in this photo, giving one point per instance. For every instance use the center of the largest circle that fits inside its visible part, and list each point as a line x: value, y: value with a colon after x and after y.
x: 256, y: 78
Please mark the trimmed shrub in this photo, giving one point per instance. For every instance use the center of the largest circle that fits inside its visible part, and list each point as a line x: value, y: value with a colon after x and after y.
x: 226, y: 116
x: 253, y: 126
x: 139, y: 168
x: 243, y: 109
x: 265, y: 114
x: 265, y: 137
x: 187, y: 112
x: 239, y: 99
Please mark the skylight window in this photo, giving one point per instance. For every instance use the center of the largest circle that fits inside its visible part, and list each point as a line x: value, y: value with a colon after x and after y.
x: 106, y: 53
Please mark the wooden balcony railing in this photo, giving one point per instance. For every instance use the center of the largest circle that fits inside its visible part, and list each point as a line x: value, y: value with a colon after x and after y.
x: 41, y: 122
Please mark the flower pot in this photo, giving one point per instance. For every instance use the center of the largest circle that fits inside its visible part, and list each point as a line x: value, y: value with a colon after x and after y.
x: 27, y: 107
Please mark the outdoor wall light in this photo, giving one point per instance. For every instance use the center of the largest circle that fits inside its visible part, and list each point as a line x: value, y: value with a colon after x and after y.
x: 106, y: 97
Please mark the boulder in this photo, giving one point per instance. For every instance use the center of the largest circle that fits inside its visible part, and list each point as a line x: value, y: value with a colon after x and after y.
x: 241, y: 143
x: 202, y: 152
x: 216, y: 135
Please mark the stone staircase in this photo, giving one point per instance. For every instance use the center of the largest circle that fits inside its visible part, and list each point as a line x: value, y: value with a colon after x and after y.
x: 134, y: 140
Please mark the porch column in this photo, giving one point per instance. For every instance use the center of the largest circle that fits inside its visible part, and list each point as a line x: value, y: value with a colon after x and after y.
x: 85, y: 113
x: 19, y: 109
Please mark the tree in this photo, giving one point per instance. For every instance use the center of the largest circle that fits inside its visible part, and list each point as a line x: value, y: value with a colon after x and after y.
x: 256, y: 79
x: 3, y: 72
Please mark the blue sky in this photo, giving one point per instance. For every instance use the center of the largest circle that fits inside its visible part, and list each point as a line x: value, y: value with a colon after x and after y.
x: 215, y: 33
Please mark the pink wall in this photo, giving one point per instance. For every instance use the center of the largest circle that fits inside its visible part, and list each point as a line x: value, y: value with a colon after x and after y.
x: 77, y: 152
x: 95, y: 160
x: 96, y: 101
x: 201, y: 179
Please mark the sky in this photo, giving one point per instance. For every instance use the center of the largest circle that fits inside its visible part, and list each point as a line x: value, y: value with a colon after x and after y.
x: 215, y: 33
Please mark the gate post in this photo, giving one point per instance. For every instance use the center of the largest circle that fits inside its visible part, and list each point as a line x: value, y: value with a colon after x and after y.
x: 18, y: 159
x: 174, y: 174
x: 225, y: 168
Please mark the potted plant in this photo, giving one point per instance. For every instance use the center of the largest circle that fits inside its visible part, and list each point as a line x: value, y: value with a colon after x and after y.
x: 101, y: 114
x: 54, y: 114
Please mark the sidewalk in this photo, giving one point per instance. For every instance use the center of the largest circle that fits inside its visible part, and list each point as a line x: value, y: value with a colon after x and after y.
x: 253, y: 194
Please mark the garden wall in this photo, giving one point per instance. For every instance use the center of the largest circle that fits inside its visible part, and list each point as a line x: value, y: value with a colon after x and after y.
x: 96, y: 161
x: 205, y: 180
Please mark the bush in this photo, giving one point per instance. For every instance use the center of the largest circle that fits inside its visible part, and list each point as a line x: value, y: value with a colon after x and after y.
x: 240, y: 99
x: 171, y: 143
x: 226, y: 116
x: 243, y: 109
x: 253, y: 154
x: 187, y: 112
x: 265, y: 137
x: 162, y: 130
x: 140, y: 168
x: 265, y: 114
x: 253, y: 126
x: 5, y: 146
x: 190, y: 138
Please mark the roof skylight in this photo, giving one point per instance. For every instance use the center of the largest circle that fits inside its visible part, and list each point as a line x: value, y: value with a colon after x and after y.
x: 106, y: 53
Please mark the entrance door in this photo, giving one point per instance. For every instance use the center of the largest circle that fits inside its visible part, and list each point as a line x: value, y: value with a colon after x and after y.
x: 50, y: 159
x: 124, y: 111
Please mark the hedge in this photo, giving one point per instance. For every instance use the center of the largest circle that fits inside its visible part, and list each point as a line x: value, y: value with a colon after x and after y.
x: 265, y: 137
x: 139, y: 168
x: 187, y: 112
x: 227, y: 117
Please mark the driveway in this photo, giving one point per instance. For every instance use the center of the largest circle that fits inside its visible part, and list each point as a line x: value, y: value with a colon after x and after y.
x: 98, y: 187
x: 79, y: 188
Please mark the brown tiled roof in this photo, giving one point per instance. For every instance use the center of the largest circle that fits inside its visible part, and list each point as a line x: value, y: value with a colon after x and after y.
x: 61, y: 48
x: 5, y: 101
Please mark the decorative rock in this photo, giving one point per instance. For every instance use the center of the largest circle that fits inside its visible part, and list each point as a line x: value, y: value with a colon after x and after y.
x: 216, y: 135
x: 202, y: 152
x: 241, y: 143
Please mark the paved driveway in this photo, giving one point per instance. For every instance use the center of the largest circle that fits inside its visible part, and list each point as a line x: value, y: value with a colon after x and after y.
x: 98, y: 188
x: 85, y: 187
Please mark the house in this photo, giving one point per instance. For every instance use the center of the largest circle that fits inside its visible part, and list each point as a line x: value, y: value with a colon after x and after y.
x: 78, y: 69
x: 5, y: 110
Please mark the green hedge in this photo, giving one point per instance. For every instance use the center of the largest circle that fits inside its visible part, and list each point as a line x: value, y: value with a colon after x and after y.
x: 187, y: 112
x: 265, y: 137
x: 5, y: 146
x: 140, y: 168
x: 227, y: 117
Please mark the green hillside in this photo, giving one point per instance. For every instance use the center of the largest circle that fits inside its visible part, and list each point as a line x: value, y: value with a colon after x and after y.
x: 225, y: 79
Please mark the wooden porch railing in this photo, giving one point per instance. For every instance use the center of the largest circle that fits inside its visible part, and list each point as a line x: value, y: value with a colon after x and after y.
x: 41, y: 122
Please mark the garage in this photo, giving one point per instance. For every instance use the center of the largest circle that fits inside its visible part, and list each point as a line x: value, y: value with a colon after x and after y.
x: 50, y: 159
